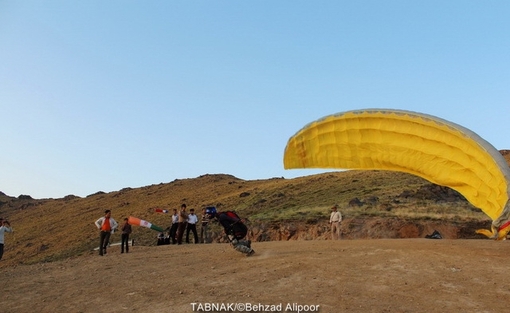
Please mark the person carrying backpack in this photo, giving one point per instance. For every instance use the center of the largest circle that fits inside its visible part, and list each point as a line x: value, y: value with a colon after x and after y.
x: 235, y: 229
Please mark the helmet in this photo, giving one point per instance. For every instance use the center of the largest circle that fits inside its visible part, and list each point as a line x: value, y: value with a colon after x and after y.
x: 210, y: 211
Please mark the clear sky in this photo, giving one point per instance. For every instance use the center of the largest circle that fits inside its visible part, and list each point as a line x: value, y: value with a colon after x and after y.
x: 103, y: 95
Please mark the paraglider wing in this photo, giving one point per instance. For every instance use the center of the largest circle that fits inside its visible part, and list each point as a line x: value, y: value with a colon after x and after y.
x: 138, y: 222
x: 440, y: 151
x: 161, y: 211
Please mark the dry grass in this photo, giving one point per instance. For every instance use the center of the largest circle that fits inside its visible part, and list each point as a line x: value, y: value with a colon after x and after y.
x: 53, y: 229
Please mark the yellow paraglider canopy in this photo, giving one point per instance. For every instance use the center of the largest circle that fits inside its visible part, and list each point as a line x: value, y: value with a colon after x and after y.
x: 435, y: 149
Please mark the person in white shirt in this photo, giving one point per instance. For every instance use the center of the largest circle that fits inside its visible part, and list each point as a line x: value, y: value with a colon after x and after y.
x: 192, y: 225
x: 174, y: 227
x: 335, y: 219
x: 106, y: 226
x: 5, y: 227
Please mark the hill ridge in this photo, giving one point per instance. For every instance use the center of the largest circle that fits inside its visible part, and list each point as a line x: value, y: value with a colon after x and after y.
x: 277, y: 209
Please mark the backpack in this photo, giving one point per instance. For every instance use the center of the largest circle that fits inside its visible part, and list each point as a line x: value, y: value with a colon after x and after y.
x: 238, y: 228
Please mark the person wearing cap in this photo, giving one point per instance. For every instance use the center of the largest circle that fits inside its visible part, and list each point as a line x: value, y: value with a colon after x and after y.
x: 5, y: 226
x: 335, y: 219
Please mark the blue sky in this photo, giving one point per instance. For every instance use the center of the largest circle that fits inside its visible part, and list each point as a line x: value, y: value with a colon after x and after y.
x: 103, y: 95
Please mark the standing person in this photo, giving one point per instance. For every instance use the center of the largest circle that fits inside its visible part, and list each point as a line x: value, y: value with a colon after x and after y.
x: 335, y: 219
x: 106, y: 226
x: 204, y: 235
x: 5, y: 227
x: 183, y: 218
x: 192, y: 226
x: 126, y: 231
x: 235, y: 230
x: 174, y: 227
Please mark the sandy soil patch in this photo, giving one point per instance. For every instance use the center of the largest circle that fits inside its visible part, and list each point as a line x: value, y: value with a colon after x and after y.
x: 383, y: 275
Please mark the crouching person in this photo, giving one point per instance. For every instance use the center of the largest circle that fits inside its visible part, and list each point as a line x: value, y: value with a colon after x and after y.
x: 235, y: 229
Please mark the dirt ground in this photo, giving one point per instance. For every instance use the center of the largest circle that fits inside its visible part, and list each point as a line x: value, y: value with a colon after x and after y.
x: 378, y: 275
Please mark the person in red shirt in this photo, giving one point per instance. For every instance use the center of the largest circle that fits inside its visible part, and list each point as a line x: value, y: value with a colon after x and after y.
x: 106, y: 226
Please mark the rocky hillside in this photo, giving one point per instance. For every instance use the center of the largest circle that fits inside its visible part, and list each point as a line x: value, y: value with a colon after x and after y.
x: 375, y: 204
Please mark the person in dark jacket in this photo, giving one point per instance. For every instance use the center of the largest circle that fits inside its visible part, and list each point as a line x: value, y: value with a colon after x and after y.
x: 126, y: 231
x: 235, y: 229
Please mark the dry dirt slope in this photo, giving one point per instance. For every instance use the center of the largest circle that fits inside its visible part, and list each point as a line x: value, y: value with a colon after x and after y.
x: 377, y: 275
x: 55, y: 229
x: 406, y: 275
